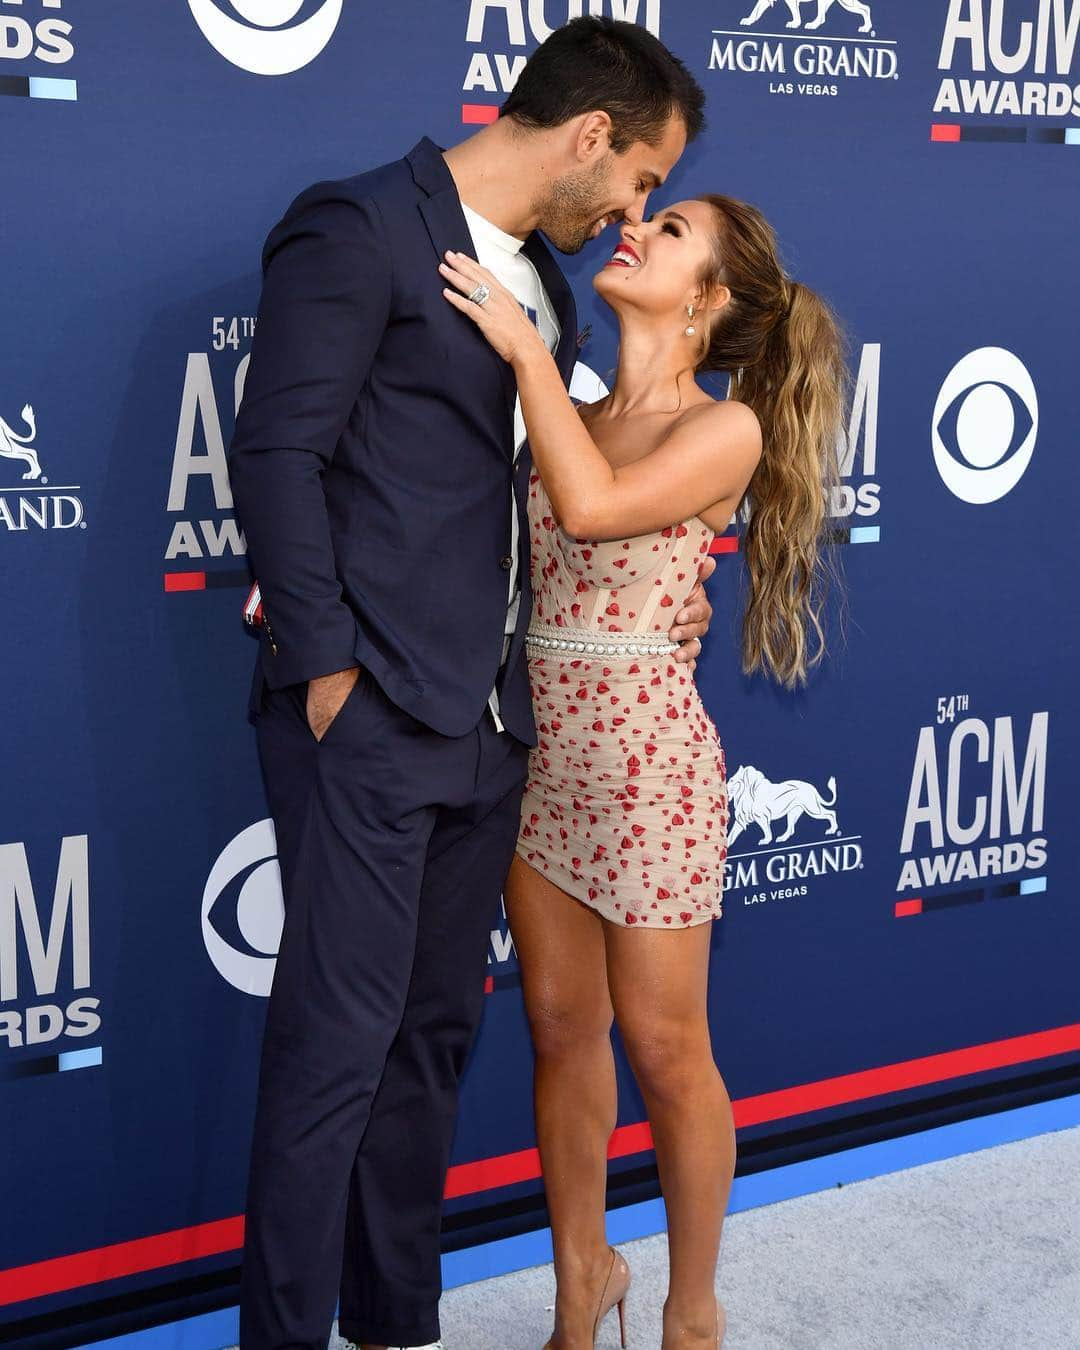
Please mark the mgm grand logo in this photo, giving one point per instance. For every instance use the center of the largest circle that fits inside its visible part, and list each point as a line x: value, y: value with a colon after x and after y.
x: 25, y: 507
x: 776, y: 866
x: 823, y: 7
x: 849, y: 49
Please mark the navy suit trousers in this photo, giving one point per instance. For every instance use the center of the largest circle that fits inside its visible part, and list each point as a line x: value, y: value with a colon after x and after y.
x: 394, y: 842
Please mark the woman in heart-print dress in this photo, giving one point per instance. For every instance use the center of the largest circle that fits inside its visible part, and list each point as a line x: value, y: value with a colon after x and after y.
x: 619, y: 867
x: 625, y: 806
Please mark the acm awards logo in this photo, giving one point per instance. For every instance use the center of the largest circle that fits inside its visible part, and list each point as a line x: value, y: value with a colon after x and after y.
x: 984, y: 425
x: 45, y: 948
x: 795, y: 64
x: 260, y: 35
x: 770, y: 814
x: 243, y: 914
x: 494, y: 25
x: 973, y: 819
x: 24, y: 506
x: 991, y: 50
x: 27, y: 35
x: 199, y: 490
x: 858, y: 496
x: 976, y: 803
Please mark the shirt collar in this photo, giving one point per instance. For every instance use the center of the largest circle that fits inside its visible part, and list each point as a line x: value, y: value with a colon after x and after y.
x: 509, y: 243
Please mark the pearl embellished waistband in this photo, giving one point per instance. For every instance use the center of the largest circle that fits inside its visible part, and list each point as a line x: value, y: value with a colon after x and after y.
x: 595, y: 644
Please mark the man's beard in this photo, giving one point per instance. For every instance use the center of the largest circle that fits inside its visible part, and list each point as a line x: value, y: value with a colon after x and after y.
x: 570, y: 207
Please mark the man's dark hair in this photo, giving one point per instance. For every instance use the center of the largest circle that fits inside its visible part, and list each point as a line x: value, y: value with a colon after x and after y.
x: 607, y: 64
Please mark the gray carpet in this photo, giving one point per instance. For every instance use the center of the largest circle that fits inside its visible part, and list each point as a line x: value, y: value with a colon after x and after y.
x: 980, y: 1252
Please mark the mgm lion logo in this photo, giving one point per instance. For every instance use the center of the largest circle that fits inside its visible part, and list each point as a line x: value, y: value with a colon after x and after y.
x: 757, y: 801
x: 823, y: 7
x: 14, y: 446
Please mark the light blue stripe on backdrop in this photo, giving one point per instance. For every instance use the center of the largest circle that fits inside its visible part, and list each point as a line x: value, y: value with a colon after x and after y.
x: 80, y: 1059
x: 40, y: 87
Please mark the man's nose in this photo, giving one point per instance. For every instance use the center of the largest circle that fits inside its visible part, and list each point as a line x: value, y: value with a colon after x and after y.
x: 635, y: 213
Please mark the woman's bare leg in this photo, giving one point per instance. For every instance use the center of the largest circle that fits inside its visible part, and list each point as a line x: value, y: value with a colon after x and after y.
x: 560, y: 947
x: 658, y: 982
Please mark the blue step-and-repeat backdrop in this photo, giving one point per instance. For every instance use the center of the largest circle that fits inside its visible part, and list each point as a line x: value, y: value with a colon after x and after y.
x: 900, y: 932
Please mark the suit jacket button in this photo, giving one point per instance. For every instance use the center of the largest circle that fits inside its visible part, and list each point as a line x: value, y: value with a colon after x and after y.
x: 506, y: 563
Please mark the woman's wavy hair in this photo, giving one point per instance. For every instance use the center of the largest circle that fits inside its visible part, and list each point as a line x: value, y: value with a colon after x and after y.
x: 785, y: 353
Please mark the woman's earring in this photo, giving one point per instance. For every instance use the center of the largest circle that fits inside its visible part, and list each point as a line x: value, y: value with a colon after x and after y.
x: 691, y: 330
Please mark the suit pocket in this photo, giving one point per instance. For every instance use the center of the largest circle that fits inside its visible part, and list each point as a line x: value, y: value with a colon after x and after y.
x: 360, y: 689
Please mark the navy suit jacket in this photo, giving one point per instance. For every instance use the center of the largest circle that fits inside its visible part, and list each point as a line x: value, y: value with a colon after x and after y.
x: 372, y: 461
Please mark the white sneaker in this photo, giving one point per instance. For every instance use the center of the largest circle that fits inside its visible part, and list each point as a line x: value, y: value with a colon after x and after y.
x: 433, y: 1345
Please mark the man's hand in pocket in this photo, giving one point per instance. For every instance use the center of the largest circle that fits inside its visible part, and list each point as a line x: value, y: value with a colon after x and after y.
x: 326, y: 696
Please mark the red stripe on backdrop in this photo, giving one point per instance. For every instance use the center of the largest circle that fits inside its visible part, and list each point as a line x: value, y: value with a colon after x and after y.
x: 725, y: 543
x: 857, y: 1087
x: 469, y: 1178
x: 478, y: 113
x: 490, y: 1173
x: 944, y: 131
x: 226, y: 1235
x: 124, y: 1258
x: 185, y: 581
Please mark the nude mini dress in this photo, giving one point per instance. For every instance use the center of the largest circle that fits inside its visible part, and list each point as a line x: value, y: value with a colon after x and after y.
x: 625, y: 804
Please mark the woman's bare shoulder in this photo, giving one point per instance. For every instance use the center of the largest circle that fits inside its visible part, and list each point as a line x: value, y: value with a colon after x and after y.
x: 736, y: 421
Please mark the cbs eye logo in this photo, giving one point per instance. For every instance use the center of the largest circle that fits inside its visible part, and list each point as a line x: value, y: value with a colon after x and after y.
x: 243, y: 910
x: 984, y: 426
x: 262, y: 43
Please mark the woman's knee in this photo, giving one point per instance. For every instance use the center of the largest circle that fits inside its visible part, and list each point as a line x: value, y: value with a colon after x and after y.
x: 671, y: 1060
x: 564, y: 1026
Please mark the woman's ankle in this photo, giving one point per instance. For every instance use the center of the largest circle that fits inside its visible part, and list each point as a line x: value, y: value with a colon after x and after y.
x: 583, y: 1261
x: 694, y: 1317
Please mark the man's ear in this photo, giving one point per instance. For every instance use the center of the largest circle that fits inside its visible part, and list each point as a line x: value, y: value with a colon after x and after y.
x: 594, y: 136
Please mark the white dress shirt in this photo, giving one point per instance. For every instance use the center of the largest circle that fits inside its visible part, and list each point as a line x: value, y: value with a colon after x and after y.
x: 502, y: 255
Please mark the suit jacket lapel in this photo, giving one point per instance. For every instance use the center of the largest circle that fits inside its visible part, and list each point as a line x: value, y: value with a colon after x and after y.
x: 448, y: 229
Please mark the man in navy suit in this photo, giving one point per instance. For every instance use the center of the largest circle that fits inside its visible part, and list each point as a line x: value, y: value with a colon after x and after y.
x: 382, y: 489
